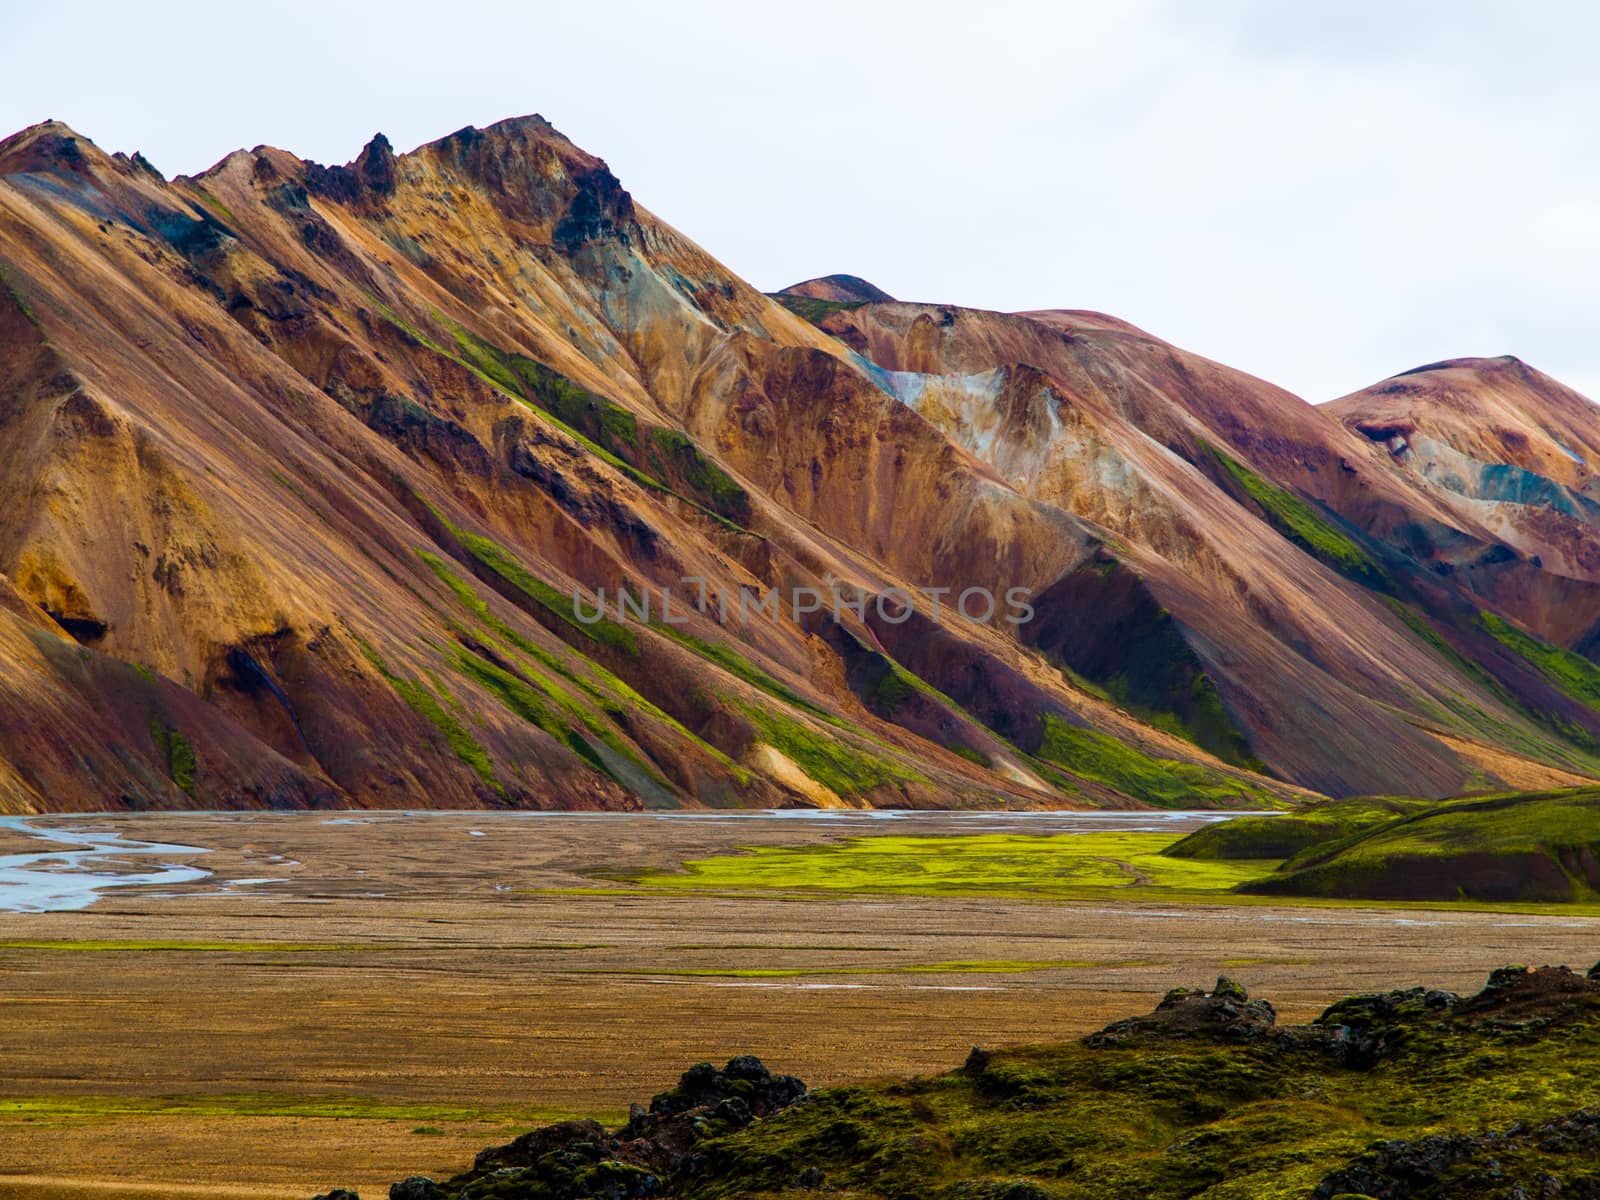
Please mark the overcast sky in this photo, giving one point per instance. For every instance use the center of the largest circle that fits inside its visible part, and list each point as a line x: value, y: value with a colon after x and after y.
x: 1321, y: 193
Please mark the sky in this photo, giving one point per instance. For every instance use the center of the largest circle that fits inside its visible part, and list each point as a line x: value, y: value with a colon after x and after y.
x: 1323, y: 194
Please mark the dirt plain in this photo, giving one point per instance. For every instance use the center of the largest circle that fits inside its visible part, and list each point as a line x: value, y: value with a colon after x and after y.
x: 410, y: 988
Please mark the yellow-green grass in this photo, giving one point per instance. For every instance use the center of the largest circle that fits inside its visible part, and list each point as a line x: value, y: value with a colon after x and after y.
x: 77, y: 1109
x: 1043, y: 868
x: 999, y: 864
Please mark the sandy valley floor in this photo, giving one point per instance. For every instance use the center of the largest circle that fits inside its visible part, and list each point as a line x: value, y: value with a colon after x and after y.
x: 411, y: 988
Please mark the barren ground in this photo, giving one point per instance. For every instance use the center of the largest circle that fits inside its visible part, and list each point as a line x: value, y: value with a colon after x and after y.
x: 419, y: 987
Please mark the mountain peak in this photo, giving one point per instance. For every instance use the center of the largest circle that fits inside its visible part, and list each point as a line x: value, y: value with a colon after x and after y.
x: 372, y: 174
x: 1469, y: 382
x: 48, y: 146
x: 49, y: 127
x: 843, y: 289
x: 54, y: 147
x: 535, y: 173
x: 1496, y: 430
x: 1476, y: 365
x: 528, y: 122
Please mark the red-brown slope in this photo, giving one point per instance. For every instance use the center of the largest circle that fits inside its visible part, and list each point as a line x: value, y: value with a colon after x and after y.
x: 1195, y: 467
x: 1513, y: 450
x: 332, y: 446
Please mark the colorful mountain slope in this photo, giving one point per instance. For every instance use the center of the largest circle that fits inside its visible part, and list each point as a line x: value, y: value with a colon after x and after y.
x: 1513, y: 451
x: 332, y: 451
x: 1258, y: 548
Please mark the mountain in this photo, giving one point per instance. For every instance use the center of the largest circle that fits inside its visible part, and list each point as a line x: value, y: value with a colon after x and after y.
x: 314, y: 477
x: 1514, y: 452
x: 1290, y: 556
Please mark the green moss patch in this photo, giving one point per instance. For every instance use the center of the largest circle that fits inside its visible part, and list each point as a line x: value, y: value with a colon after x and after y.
x: 1576, y: 747
x: 550, y: 709
x: 1022, y: 865
x: 1570, y: 673
x: 612, y: 427
x: 1110, y: 635
x: 8, y: 284
x: 813, y: 308
x: 427, y: 705
x: 1304, y: 525
x: 1279, y: 837
x: 1163, y: 782
x: 489, y: 365
x: 491, y: 554
x: 740, y: 667
x: 675, y: 457
x: 609, y: 693
x: 667, y: 461
x: 836, y: 764
x: 176, y: 754
x: 215, y: 204
x: 342, y: 1108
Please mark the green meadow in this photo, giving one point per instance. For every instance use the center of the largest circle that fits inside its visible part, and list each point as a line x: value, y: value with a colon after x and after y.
x: 1260, y: 860
x: 1001, y: 865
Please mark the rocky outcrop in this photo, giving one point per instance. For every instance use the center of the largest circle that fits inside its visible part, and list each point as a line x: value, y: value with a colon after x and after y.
x: 1524, y: 1161
x: 1360, y: 1031
x: 577, y: 1160
x: 1226, y: 1012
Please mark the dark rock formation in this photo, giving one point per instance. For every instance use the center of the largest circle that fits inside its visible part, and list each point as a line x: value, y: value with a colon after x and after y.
x: 1226, y: 1013
x: 579, y: 1159
x: 1460, y: 1167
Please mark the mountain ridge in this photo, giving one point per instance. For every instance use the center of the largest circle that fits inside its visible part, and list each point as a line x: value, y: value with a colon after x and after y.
x: 330, y: 448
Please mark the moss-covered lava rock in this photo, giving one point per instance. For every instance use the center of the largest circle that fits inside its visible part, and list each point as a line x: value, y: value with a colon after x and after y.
x: 1413, y: 1094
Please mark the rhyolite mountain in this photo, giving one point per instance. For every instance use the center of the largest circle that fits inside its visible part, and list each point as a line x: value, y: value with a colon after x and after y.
x: 301, y: 468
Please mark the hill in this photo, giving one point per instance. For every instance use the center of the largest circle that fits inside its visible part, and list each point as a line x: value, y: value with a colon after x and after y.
x: 1530, y: 848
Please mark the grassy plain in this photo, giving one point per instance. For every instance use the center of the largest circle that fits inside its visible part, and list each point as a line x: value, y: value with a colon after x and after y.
x: 416, y: 987
x: 1051, y: 866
